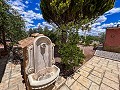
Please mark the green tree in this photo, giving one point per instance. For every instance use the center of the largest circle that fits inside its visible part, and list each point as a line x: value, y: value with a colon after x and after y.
x: 30, y: 31
x: 46, y: 31
x: 61, y: 12
x: 72, y: 14
x: 11, y: 24
x: 86, y: 28
x: 71, y: 55
x: 77, y: 12
x: 39, y: 29
x: 102, y: 37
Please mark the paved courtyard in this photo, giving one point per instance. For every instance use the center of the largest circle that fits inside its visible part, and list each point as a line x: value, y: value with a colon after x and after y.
x: 97, y: 74
x: 12, y: 78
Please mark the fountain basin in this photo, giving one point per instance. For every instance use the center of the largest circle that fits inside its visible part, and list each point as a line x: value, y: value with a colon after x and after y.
x: 44, y: 77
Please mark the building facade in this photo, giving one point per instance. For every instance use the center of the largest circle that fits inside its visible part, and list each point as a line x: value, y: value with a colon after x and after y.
x: 112, y: 39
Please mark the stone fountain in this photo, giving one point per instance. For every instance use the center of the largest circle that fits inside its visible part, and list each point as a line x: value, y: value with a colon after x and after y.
x: 40, y: 69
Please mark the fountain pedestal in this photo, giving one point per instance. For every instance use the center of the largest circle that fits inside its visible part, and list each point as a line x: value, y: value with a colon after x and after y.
x: 40, y: 69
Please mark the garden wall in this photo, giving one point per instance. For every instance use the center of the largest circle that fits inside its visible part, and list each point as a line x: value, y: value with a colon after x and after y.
x: 112, y: 39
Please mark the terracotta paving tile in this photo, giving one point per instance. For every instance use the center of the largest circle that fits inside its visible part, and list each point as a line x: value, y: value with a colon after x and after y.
x: 76, y: 75
x: 119, y: 65
x: 15, y: 80
x: 5, y: 84
x: 21, y: 86
x: 77, y: 86
x: 60, y: 82
x: 89, y: 66
x: 84, y: 81
x: 95, y: 61
x: 1, y: 86
x: 106, y: 69
x: 86, y: 69
x: 69, y: 81
x: 112, y: 67
x: 112, y: 63
x: 112, y: 76
x: 89, y: 62
x: 96, y: 65
x: 16, y: 87
x: 83, y: 73
x: 94, y: 79
x: 111, y: 84
x: 116, y: 72
x: 100, y: 75
x: 5, y: 77
x: 105, y: 87
x: 94, y: 86
x: 64, y: 87
x: 103, y: 62
x: 13, y: 75
x: 99, y: 70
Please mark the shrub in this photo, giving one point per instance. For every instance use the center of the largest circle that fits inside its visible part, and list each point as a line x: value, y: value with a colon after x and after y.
x: 71, y: 55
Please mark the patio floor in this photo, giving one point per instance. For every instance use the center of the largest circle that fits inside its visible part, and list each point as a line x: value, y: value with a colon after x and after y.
x: 96, y: 74
x: 11, y: 78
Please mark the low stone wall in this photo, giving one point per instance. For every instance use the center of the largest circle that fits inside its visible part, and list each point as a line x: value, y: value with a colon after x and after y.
x: 109, y: 55
x: 112, y: 49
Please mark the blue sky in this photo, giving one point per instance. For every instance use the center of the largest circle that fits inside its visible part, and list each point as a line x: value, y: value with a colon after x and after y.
x: 31, y: 13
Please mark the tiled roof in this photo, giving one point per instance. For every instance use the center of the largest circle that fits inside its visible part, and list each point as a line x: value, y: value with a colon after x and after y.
x: 25, y: 42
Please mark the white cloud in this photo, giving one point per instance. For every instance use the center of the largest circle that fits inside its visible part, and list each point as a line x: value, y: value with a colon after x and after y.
x: 101, y: 19
x: 17, y: 4
x: 112, y: 11
x: 26, y: 2
x: 29, y: 16
x: 47, y: 25
x: 39, y: 24
x: 29, y: 25
x: 32, y: 15
x: 38, y: 4
x: 95, y: 24
x: 36, y: 8
x: 44, y: 24
x: 107, y: 25
x: 95, y: 30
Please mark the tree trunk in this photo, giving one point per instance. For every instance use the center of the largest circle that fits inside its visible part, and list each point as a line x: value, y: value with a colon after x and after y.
x: 84, y: 37
x: 85, y: 34
x: 4, y: 41
x: 64, y: 36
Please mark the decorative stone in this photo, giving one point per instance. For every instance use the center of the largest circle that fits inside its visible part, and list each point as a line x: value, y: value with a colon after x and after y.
x: 41, y: 72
